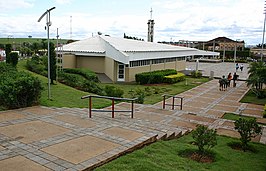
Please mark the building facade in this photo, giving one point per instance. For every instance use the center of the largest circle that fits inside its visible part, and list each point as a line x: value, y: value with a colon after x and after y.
x: 120, y: 59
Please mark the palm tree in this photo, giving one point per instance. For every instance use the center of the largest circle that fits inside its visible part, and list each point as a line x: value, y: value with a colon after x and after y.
x: 257, y: 77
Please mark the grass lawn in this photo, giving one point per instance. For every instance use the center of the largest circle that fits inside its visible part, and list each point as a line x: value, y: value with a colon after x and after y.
x: 156, y: 91
x: 251, y: 98
x: 65, y: 96
x: 62, y: 95
x: 234, y: 117
x: 163, y: 155
x: 19, y: 41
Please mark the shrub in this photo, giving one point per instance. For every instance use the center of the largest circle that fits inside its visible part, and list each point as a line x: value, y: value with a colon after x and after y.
x: 204, y: 137
x: 196, y: 74
x: 72, y: 80
x: 88, y: 74
x: 13, y: 58
x: 37, y: 65
x: 18, y: 89
x: 6, y: 68
x: 92, y: 87
x: 8, y: 50
x: 79, y: 82
x: 113, y: 91
x: 174, y: 78
x: 247, y: 128
x: 139, y: 94
x: 154, y: 77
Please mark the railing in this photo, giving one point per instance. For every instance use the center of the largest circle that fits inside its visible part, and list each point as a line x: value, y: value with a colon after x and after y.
x: 113, y: 104
x: 173, y: 101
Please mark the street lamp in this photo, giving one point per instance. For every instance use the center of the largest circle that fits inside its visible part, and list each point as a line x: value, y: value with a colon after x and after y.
x: 235, y: 49
x: 48, y: 24
x: 263, y: 33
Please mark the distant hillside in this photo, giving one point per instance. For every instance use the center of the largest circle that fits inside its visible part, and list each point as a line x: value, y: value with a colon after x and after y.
x: 19, y: 41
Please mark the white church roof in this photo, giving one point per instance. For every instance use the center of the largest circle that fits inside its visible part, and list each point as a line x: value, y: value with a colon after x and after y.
x: 126, y: 50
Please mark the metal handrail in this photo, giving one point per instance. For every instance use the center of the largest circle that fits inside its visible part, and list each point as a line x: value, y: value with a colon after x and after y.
x: 113, y: 104
x: 173, y: 101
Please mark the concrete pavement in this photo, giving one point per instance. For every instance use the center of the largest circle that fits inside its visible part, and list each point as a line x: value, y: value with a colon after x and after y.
x: 219, y: 69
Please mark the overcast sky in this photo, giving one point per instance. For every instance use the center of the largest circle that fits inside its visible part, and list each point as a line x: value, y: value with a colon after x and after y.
x: 198, y: 20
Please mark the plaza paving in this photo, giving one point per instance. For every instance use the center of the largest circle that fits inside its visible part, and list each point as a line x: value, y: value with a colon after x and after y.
x: 42, y: 138
x: 219, y: 69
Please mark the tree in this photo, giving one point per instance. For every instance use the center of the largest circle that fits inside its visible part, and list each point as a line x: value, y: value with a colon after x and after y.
x: 8, y: 51
x: 204, y: 137
x: 52, y: 63
x: 247, y: 128
x: 257, y: 77
x: 14, y: 58
x: 35, y: 47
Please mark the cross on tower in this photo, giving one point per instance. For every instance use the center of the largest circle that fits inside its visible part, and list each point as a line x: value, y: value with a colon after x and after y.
x: 151, y: 13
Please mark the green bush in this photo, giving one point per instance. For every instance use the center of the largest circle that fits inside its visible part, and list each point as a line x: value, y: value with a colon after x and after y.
x: 171, y: 79
x: 79, y: 82
x: 204, y: 137
x: 18, y: 89
x: 139, y: 94
x: 6, y: 68
x: 247, y: 128
x: 154, y: 77
x: 13, y: 58
x: 8, y: 50
x: 92, y: 87
x: 196, y: 74
x: 86, y: 73
x: 113, y: 91
x: 37, y: 65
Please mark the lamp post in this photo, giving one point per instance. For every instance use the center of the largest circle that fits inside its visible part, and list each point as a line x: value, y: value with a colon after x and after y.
x: 263, y: 33
x: 48, y: 24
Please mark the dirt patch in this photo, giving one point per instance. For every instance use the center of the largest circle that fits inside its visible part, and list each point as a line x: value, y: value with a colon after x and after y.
x: 237, y: 146
x: 207, y: 157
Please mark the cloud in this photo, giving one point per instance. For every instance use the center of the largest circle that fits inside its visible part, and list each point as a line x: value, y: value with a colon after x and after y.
x: 174, y: 19
x: 16, y: 4
x: 63, y: 2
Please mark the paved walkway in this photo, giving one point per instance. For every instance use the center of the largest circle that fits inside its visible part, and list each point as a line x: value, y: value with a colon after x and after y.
x: 219, y: 69
x: 41, y: 138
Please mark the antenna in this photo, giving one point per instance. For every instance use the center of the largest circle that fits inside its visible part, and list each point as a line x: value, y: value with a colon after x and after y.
x: 70, y: 27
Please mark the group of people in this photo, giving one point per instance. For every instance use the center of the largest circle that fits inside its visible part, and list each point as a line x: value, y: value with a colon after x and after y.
x: 241, y: 67
x: 226, y: 82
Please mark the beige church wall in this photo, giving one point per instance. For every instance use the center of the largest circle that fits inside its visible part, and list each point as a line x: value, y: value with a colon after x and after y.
x: 180, y: 65
x: 110, y: 68
x: 96, y: 64
x: 169, y: 65
x: 131, y: 72
x: 69, y: 61
x: 155, y: 67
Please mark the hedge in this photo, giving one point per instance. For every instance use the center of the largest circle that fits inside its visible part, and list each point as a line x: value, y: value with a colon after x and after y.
x: 79, y: 82
x: 171, y: 79
x: 86, y: 73
x: 196, y: 74
x: 18, y: 89
x: 154, y: 77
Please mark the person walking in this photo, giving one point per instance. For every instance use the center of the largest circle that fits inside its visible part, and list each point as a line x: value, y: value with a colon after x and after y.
x: 241, y: 67
x: 237, y: 66
x: 235, y: 77
x: 229, y: 78
x: 223, y: 83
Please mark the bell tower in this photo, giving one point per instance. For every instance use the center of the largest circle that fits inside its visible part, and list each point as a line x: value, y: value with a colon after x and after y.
x: 150, y: 28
